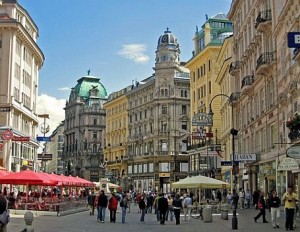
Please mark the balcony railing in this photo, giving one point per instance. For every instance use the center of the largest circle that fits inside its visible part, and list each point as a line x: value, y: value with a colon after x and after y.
x: 248, y: 80
x: 263, y: 16
x: 263, y: 63
x: 234, y: 67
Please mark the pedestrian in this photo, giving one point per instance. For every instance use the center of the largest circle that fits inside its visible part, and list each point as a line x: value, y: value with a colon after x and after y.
x: 289, y: 198
x: 150, y: 200
x: 262, y: 207
x: 142, y: 206
x: 124, y: 205
x: 162, y: 207
x: 242, y: 198
x: 102, y: 205
x: 91, y: 200
x: 3, y: 207
x: 274, y: 203
x: 187, y: 207
x: 247, y: 198
x: 255, y: 198
x: 155, y: 205
x: 177, y: 204
x: 170, y: 209
x: 112, y: 206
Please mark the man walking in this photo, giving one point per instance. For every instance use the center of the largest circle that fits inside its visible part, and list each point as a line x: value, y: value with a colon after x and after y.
x: 187, y: 207
x: 162, y: 208
x: 289, y: 198
x: 102, y: 205
x: 275, y: 210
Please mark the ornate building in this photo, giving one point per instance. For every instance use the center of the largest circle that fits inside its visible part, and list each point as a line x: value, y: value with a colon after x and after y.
x: 84, y: 129
x: 268, y: 73
x: 205, y: 144
x: 20, y: 62
x: 159, y: 122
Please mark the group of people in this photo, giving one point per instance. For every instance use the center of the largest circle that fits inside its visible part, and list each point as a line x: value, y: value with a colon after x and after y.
x: 289, y: 200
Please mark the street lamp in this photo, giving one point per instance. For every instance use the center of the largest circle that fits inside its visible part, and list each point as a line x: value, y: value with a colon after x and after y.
x: 233, y: 132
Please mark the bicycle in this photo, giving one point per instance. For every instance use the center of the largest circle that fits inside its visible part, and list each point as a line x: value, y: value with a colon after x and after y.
x: 197, y: 212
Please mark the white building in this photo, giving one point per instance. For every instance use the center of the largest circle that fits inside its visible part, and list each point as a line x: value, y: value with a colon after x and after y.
x: 20, y: 62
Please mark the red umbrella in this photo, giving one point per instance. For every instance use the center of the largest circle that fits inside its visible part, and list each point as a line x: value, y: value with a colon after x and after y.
x: 26, y: 177
x: 86, y: 182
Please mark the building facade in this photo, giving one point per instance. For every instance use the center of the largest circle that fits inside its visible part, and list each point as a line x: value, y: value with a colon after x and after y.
x: 268, y: 74
x: 55, y: 148
x: 84, y: 129
x: 205, y: 150
x: 20, y: 62
x: 115, y: 150
x: 159, y: 122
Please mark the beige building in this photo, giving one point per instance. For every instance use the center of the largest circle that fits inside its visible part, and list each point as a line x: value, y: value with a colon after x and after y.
x: 20, y: 62
x: 269, y: 81
x: 159, y: 122
x: 205, y: 147
x: 55, y: 148
x: 116, y: 135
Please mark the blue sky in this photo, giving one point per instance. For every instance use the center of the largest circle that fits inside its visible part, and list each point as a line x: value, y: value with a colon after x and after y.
x: 115, y: 39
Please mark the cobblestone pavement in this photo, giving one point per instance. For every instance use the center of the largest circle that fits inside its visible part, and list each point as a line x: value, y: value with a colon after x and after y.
x: 84, y: 222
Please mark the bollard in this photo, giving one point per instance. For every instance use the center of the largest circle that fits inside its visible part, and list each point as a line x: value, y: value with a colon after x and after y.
x: 28, y: 218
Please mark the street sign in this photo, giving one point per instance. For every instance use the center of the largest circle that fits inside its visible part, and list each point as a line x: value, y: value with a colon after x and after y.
x: 43, y: 139
x: 8, y: 134
x: 293, y: 39
x: 244, y: 157
x: 21, y: 139
x: 44, y: 156
x: 228, y: 163
x: 201, y: 119
x: 4, y: 109
x: 288, y: 164
x: 293, y: 152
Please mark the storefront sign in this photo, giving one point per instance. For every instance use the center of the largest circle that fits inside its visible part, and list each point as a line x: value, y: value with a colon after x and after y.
x: 245, y: 157
x: 287, y: 164
x: 293, y: 152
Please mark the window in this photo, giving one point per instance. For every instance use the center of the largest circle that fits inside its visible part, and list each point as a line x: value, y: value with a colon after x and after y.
x: 184, y: 167
x: 95, y: 121
x: 164, y: 110
x: 151, y: 167
x: 184, y: 125
x: 164, y: 167
x: 95, y: 135
x: 183, y: 109
x: 163, y: 126
x: 145, y: 168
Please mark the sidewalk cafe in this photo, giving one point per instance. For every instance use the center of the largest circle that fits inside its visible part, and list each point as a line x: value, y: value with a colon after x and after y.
x: 44, y: 192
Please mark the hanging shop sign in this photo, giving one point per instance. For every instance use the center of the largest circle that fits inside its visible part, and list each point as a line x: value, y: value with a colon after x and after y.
x: 287, y: 164
x: 293, y: 152
x: 8, y: 135
x: 201, y: 119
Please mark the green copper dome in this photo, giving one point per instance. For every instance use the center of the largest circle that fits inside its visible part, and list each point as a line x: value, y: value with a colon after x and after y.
x: 88, y: 83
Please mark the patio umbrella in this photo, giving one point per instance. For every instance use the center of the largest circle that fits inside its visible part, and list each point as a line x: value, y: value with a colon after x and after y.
x: 26, y: 177
x: 86, y: 182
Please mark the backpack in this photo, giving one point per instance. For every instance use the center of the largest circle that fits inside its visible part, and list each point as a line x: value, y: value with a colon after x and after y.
x: 122, y: 203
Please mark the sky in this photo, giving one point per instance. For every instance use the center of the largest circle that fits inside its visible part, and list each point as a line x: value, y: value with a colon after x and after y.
x: 115, y: 39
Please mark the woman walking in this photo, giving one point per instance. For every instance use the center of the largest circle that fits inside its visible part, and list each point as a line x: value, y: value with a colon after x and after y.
x: 112, y: 206
x: 262, y: 207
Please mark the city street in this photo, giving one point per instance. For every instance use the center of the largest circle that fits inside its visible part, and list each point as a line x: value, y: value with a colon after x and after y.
x: 84, y: 222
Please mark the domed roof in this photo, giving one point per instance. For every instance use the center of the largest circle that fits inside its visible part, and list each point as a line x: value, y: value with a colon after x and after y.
x: 88, y: 83
x: 167, y: 38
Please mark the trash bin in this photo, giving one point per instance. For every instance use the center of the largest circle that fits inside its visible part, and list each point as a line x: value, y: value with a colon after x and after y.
x: 224, y: 214
x: 207, y: 214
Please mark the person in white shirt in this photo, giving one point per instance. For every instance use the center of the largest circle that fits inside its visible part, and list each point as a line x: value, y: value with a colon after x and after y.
x: 187, y: 205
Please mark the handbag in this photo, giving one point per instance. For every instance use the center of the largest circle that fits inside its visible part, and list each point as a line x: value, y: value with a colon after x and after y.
x: 4, y: 217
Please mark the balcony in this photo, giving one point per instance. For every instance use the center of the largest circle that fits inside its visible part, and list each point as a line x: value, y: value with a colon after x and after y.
x: 234, y: 98
x: 247, y: 84
x: 264, y: 63
x: 296, y: 54
x: 264, y: 21
x: 234, y: 68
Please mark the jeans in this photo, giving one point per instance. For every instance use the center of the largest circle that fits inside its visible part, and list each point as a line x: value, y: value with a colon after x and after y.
x: 177, y: 215
x: 143, y: 215
x: 101, y: 213
x: 113, y: 216
x: 289, y: 218
x: 124, y: 209
x: 275, y: 215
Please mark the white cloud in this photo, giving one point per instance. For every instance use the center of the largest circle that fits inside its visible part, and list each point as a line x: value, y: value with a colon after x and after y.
x: 135, y: 52
x: 64, y: 89
x: 54, y: 108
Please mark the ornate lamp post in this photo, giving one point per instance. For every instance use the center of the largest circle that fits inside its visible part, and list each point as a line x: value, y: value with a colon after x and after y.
x: 233, y: 132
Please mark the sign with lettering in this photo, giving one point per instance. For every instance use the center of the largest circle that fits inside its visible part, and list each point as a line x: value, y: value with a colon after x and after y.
x: 228, y: 163
x: 293, y: 39
x: 201, y: 119
x: 4, y: 109
x: 44, y: 156
x: 21, y: 139
x: 293, y: 152
x: 288, y: 164
x: 244, y: 157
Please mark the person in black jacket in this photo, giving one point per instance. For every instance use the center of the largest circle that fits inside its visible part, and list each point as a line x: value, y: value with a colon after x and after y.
x: 162, y: 207
x: 142, y: 206
x: 102, y: 205
x: 3, y: 207
x: 274, y: 202
x: 91, y: 200
x: 177, y: 203
x: 262, y: 207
